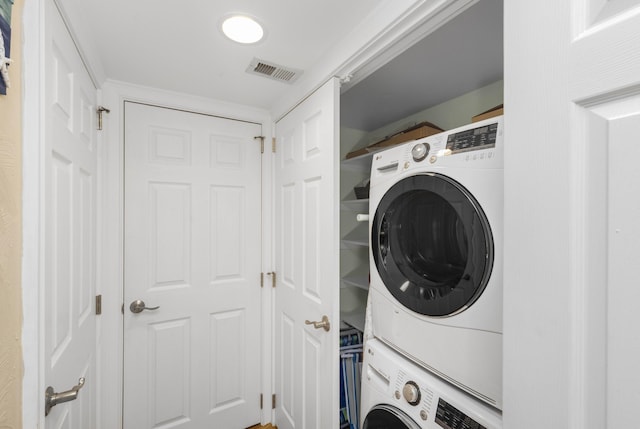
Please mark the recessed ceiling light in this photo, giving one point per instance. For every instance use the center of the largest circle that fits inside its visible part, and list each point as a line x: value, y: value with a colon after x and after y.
x: 242, y: 29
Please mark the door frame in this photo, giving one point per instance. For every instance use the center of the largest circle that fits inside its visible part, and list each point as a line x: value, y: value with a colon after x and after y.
x: 32, y: 148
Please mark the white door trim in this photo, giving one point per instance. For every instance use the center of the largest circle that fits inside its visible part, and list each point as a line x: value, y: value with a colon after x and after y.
x: 114, y: 96
x: 32, y: 132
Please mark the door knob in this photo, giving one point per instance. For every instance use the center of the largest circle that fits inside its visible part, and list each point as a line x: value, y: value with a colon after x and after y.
x: 324, y: 323
x: 138, y: 306
x: 51, y: 398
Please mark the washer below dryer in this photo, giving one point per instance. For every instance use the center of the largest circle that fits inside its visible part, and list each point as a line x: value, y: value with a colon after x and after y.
x: 397, y: 394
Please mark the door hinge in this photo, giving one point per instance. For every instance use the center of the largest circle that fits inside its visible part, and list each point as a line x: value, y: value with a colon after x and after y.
x: 98, y: 305
x: 273, y: 144
x: 261, y: 279
x: 273, y: 278
x: 261, y: 142
x: 261, y: 400
x: 100, y: 111
x: 273, y: 401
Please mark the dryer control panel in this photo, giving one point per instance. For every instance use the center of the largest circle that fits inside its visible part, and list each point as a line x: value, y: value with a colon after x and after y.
x: 483, y: 137
x: 479, y: 143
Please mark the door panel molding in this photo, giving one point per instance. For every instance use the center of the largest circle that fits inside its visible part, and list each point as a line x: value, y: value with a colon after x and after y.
x: 602, y: 329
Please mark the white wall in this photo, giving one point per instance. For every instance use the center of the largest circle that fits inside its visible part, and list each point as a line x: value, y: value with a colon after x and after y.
x: 447, y: 115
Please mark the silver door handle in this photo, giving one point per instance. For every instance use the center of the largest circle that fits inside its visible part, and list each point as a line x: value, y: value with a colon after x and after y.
x: 51, y: 398
x: 138, y: 306
x: 324, y: 323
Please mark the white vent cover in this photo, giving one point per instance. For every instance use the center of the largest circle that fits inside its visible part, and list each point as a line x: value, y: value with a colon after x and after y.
x: 273, y: 71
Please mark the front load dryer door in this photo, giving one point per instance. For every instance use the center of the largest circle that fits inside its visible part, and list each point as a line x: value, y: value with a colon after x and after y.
x: 432, y: 245
x: 388, y: 417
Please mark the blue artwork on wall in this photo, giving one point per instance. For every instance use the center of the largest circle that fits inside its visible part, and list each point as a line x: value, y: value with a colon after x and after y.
x: 5, y: 44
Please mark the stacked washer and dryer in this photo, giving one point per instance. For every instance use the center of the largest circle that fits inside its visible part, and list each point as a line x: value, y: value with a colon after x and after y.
x: 435, y: 298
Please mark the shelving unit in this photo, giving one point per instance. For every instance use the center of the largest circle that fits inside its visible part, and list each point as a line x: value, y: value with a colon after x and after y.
x: 358, y: 277
x: 358, y: 236
x: 356, y: 206
x: 354, y: 318
x: 354, y: 260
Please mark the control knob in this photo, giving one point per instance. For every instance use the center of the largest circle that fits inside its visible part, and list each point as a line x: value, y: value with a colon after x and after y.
x: 411, y: 393
x: 420, y: 151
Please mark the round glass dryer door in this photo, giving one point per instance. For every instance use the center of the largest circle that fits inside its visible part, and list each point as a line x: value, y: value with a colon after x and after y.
x: 432, y: 245
x: 387, y: 417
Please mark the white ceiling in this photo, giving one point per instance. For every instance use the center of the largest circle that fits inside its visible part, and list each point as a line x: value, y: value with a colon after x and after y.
x: 178, y: 46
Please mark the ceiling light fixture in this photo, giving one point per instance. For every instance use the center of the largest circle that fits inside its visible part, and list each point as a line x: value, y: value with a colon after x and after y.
x: 242, y: 29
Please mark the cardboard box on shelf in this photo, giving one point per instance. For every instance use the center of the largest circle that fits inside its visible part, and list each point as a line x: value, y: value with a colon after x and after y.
x: 418, y: 131
x: 356, y: 152
x: 494, y: 111
x: 423, y: 129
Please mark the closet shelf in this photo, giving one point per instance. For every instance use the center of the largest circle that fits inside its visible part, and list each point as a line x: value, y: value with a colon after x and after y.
x: 354, y: 318
x: 355, y: 205
x: 358, y: 277
x: 359, y: 236
x: 358, y: 163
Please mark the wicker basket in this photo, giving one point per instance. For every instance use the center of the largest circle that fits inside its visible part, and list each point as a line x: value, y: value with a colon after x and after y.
x: 362, y: 191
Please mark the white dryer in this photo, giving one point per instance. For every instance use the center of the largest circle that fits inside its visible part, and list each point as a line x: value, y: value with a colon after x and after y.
x: 436, y: 221
x: 397, y: 394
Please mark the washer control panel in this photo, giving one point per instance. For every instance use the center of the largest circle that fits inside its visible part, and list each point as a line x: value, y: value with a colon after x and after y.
x: 426, y: 401
x: 449, y: 417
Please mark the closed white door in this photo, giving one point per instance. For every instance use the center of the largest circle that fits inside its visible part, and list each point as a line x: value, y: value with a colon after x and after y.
x: 70, y: 184
x: 572, y: 195
x: 307, y: 263
x: 192, y: 252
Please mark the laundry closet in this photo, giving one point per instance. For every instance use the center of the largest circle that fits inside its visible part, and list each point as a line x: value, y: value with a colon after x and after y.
x: 571, y: 97
x: 441, y: 82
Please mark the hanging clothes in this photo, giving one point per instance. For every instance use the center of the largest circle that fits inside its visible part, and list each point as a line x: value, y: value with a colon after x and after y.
x: 5, y: 44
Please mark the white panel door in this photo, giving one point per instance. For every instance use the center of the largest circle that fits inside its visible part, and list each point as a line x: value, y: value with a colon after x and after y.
x: 70, y: 184
x: 572, y: 195
x: 192, y: 249
x: 307, y: 263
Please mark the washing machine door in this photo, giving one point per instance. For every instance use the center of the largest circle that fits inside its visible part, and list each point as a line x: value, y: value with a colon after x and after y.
x: 432, y: 245
x: 387, y: 417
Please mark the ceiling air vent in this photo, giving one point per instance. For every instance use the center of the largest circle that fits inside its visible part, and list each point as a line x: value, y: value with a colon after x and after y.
x: 273, y: 71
